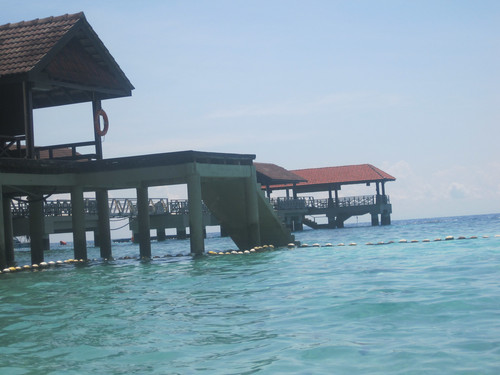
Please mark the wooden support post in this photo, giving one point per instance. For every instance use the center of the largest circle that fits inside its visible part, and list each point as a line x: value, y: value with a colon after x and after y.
x: 181, y: 233
x: 28, y: 120
x: 36, y: 221
x: 332, y: 223
x: 97, y: 241
x: 96, y: 106
x: 46, y: 242
x: 8, y: 231
x: 375, y: 221
x: 104, y: 231
x: 3, y: 247
x: 385, y: 218
x: 143, y: 218
x: 160, y: 234
x: 78, y: 221
x: 195, y: 214
x: 336, y: 197
x: 135, y: 237
x: 297, y: 223
x: 339, y: 221
x: 223, y: 231
x: 252, y: 208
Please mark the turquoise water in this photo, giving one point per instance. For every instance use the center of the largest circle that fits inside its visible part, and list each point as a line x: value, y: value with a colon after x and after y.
x: 400, y: 308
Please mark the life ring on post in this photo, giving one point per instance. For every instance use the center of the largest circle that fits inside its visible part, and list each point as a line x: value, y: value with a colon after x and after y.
x: 97, y: 126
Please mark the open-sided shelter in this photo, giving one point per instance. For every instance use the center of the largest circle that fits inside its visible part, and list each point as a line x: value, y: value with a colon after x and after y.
x: 331, y: 179
x: 50, y: 62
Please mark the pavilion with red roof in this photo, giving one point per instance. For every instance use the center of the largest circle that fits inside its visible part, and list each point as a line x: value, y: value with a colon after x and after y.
x: 331, y: 179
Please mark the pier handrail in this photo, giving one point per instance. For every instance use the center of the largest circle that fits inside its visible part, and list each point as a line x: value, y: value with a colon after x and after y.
x: 11, y: 145
x: 284, y: 203
x: 118, y: 207
x: 127, y: 207
x: 72, y: 146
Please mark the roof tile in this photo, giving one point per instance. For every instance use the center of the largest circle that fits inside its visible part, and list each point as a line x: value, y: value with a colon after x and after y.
x: 343, y: 175
x: 24, y: 44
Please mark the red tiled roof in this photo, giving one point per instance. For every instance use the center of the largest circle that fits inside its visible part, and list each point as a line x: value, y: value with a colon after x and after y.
x: 348, y: 174
x: 24, y: 44
x: 319, y: 179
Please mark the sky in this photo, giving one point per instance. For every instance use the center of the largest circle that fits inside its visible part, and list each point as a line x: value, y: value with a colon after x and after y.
x: 411, y: 87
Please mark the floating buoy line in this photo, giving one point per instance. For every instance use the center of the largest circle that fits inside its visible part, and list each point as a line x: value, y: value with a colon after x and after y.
x: 257, y: 249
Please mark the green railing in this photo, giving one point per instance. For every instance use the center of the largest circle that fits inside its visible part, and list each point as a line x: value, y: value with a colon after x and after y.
x: 311, y: 202
x: 118, y: 207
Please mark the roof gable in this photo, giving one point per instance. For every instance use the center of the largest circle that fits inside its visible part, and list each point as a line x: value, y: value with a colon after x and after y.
x: 64, y: 59
x: 24, y: 44
x: 270, y: 174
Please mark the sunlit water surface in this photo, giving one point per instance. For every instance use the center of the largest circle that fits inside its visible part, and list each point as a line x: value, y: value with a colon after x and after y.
x: 400, y: 308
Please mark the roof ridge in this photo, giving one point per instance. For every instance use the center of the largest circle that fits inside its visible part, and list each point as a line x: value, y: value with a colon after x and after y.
x: 39, y: 21
x: 335, y: 166
x: 377, y: 170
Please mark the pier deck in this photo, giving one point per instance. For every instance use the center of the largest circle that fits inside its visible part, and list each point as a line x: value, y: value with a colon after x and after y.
x: 225, y: 182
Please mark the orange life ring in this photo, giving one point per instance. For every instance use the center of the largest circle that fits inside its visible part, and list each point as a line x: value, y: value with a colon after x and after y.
x: 97, y: 125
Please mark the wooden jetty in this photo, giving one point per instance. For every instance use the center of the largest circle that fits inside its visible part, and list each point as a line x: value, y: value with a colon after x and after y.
x: 225, y: 182
x: 60, y: 60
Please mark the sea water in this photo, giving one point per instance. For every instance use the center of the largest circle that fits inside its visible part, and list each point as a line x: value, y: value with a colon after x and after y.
x: 377, y: 307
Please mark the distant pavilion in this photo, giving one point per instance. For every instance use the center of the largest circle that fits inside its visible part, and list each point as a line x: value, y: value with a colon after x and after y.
x: 330, y: 180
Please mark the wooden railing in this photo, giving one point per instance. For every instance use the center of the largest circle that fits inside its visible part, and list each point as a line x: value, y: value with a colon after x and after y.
x: 118, y: 207
x: 69, y: 151
x: 12, y: 146
x: 311, y: 202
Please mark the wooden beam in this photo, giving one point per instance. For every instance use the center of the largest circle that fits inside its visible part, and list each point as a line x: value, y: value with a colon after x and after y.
x: 143, y: 218
x: 8, y: 230
x: 28, y: 120
x: 96, y: 106
x: 104, y: 226
x: 3, y: 247
x: 195, y: 214
x: 36, y: 220
x: 78, y: 221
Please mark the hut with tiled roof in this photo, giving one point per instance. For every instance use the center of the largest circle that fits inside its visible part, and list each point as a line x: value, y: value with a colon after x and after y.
x: 51, y: 62
x: 331, y: 180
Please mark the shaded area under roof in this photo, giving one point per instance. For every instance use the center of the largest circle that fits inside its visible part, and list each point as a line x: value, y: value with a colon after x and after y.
x: 322, y: 179
x: 272, y: 174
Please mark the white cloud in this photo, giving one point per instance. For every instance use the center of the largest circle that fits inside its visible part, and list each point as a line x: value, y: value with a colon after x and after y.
x: 457, y: 191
